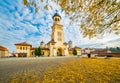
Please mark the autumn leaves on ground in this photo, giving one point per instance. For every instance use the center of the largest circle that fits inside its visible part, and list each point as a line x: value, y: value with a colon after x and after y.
x: 77, y: 70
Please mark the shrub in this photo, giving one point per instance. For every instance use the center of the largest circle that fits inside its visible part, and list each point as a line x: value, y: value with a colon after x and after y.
x: 74, y: 52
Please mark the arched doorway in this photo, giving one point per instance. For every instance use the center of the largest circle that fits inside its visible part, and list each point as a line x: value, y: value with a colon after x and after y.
x: 59, y: 52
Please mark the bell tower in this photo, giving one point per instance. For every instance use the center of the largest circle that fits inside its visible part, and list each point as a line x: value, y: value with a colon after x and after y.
x: 56, y: 18
x: 57, y: 30
x: 57, y: 45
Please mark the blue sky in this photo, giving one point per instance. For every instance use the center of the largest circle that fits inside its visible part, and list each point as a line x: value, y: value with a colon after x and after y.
x: 19, y: 23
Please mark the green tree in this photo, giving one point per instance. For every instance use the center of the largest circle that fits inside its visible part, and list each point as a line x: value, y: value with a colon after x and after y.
x: 74, y: 52
x: 115, y: 49
x: 38, y: 51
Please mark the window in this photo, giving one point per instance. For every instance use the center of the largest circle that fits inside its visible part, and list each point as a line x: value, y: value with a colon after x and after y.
x: 59, y: 36
x: 58, y: 19
x: 55, y: 19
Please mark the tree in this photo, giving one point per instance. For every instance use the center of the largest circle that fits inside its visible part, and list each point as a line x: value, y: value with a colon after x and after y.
x: 38, y: 51
x: 94, y: 17
x: 74, y: 52
x: 115, y: 49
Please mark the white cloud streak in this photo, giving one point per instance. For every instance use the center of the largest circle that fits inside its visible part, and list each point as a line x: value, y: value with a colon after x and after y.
x: 18, y: 24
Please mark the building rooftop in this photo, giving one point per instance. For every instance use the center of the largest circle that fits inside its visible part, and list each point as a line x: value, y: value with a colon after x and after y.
x: 3, y: 48
x: 70, y: 49
x: 23, y: 44
x: 77, y: 47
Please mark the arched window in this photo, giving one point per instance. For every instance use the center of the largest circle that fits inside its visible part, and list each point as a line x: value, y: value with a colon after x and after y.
x: 20, y: 48
x: 55, y: 19
x: 58, y: 19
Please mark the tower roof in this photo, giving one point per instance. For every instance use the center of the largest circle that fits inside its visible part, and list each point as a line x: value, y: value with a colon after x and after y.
x: 52, y: 41
x: 42, y: 41
x: 56, y: 14
x: 70, y: 41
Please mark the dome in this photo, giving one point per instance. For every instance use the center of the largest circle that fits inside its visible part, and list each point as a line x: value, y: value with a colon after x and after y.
x: 70, y: 41
x: 41, y: 42
x: 56, y: 14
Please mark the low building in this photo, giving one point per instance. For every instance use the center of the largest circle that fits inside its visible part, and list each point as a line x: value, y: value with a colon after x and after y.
x: 3, y: 51
x: 78, y: 49
x: 45, y: 51
x: 95, y: 52
x: 24, y: 49
x: 32, y: 51
x: 87, y: 51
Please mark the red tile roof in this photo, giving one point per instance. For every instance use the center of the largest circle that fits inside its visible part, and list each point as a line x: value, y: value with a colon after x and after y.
x: 3, y: 48
x: 23, y: 44
x: 77, y: 47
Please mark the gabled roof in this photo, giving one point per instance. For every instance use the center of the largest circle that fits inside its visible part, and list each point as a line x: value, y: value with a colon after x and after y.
x: 77, y: 47
x: 3, y: 48
x: 23, y: 44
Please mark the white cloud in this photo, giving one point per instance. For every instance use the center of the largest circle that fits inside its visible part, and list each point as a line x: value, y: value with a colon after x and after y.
x: 18, y: 26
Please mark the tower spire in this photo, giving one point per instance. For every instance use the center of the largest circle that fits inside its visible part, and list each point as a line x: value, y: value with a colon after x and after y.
x: 56, y: 11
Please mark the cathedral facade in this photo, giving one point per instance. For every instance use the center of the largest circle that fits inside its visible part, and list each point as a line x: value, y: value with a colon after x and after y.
x: 55, y: 47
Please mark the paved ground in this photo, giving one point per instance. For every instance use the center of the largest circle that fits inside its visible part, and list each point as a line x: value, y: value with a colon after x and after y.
x: 12, y: 66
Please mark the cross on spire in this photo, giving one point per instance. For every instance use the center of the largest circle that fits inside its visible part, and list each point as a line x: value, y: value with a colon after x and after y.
x: 56, y: 11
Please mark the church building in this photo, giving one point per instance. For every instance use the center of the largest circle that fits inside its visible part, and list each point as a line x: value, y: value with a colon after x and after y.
x: 56, y: 46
